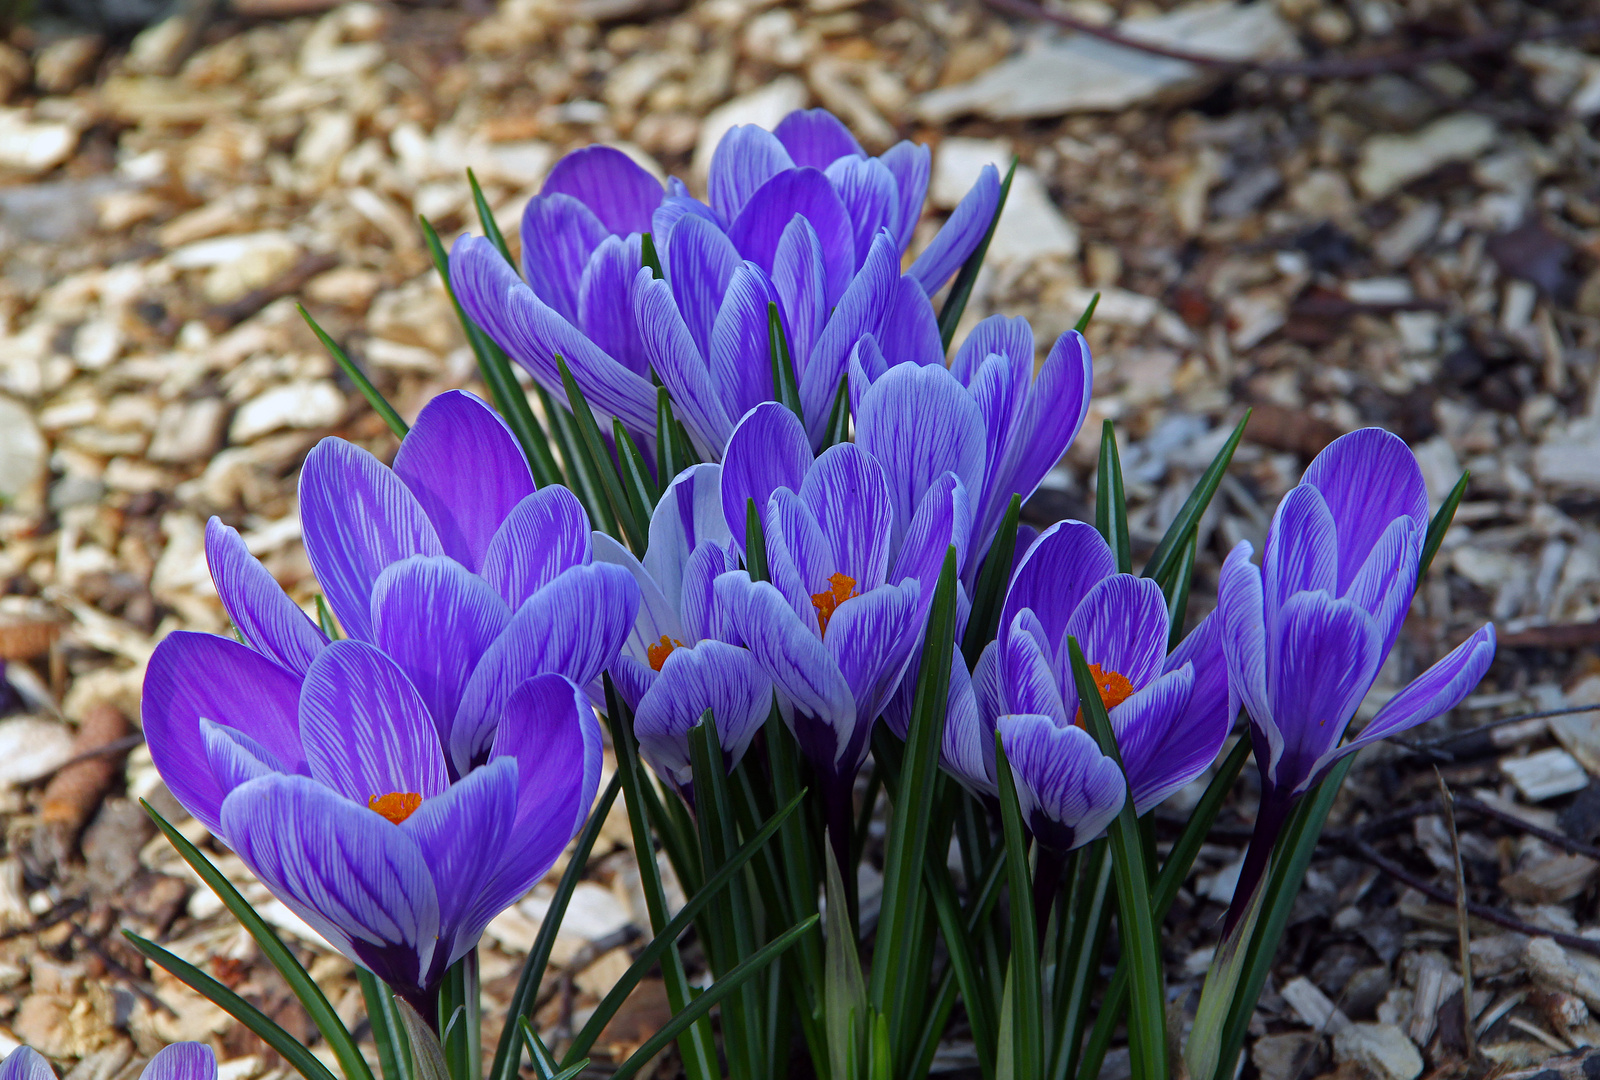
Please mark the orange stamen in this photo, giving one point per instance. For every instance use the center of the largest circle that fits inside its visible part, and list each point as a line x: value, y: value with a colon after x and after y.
x: 658, y: 654
x: 396, y: 806
x: 841, y: 588
x: 1114, y: 690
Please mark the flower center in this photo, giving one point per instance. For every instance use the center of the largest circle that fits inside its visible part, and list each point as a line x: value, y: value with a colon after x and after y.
x: 1114, y: 690
x: 396, y: 806
x: 841, y: 588
x: 658, y: 654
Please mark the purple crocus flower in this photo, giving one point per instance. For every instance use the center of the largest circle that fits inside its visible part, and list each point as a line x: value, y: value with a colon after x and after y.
x: 988, y: 418
x: 674, y: 666
x: 1169, y: 712
x: 836, y: 626
x: 400, y: 787
x: 1306, y: 633
x: 796, y: 217
x: 180, y: 1061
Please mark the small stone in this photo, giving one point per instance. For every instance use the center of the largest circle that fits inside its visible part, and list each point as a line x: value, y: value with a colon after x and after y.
x: 1555, y: 967
x: 1400, y: 241
x: 15, y: 71
x: 763, y: 107
x: 31, y: 748
x: 1031, y: 227
x: 153, y: 50
x: 1389, y: 162
x: 1323, y: 194
x: 1552, y: 881
x: 97, y: 343
x: 1084, y: 74
x: 63, y: 66
x: 1570, y: 456
x: 1382, y: 1049
x: 23, y: 455
x: 1283, y: 1057
x: 521, y: 164
x: 347, y: 286
x: 33, y: 148
x: 308, y: 404
x: 238, y: 264
x: 188, y: 431
x: 1545, y: 775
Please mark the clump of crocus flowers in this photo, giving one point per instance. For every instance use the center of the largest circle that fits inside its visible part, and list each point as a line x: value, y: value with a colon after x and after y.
x: 825, y: 500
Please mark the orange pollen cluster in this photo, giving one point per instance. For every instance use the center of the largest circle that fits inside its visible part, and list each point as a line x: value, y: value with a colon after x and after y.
x: 396, y: 806
x: 841, y: 588
x: 658, y: 654
x: 1114, y: 690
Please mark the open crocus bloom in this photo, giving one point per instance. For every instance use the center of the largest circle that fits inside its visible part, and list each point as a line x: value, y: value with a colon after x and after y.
x: 1169, y: 712
x: 796, y: 218
x: 180, y: 1061
x: 988, y: 418
x: 836, y: 626
x: 673, y: 666
x: 1306, y: 633
x: 359, y: 778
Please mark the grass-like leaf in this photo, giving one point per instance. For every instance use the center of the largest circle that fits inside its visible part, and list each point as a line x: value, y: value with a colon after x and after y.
x: 755, y: 542
x: 1290, y: 860
x: 844, y: 991
x: 427, y: 1055
x: 272, y: 947
x: 493, y: 364
x: 1164, y: 560
x: 989, y: 596
x: 649, y: 256
x: 637, y: 485
x: 1441, y: 524
x: 899, y: 945
x: 785, y: 389
x: 584, y: 1040
x: 1022, y: 1006
x: 955, y: 304
x: 697, y: 1046
x: 1147, y: 1026
x: 291, y: 1049
x: 379, y: 403
x: 463, y: 1031
x: 1173, y: 874
x: 730, y: 919
x: 713, y: 996
x: 838, y: 429
x: 672, y: 457
x: 507, y: 1058
x: 325, y: 619
x: 1076, y: 968
x: 388, y: 1031
x: 1088, y: 313
x: 1111, y: 501
x: 1177, y: 591
x: 597, y: 458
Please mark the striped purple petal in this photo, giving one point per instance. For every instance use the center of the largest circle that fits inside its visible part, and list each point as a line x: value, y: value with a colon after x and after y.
x: 1157, y: 755
x: 200, y: 676
x: 816, y: 138
x: 543, y: 535
x: 262, y: 612
x: 26, y: 1063
x: 182, y: 1061
x: 807, y: 192
x: 1121, y: 625
x: 767, y: 450
x: 679, y: 360
x: 559, y: 234
x: 619, y: 191
x: 1068, y: 790
x: 366, y: 730
x: 867, y: 189
x: 711, y: 675
x: 356, y: 878
x: 1057, y: 572
x: 960, y: 235
x: 605, y: 307
x: 467, y: 471
x: 740, y: 357
x: 1367, y: 478
x: 359, y: 517
x: 911, y: 166
x: 746, y: 157
x: 436, y: 620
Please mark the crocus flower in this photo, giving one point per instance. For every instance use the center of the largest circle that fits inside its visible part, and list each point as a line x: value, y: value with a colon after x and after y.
x: 1169, y: 712
x: 673, y: 667
x: 795, y: 217
x: 400, y: 787
x: 180, y: 1061
x: 836, y: 625
x: 988, y: 418
x: 1306, y: 633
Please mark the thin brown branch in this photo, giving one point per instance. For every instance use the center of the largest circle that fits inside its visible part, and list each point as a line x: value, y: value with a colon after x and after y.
x: 1366, y: 851
x: 1337, y: 67
x: 1463, y: 931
